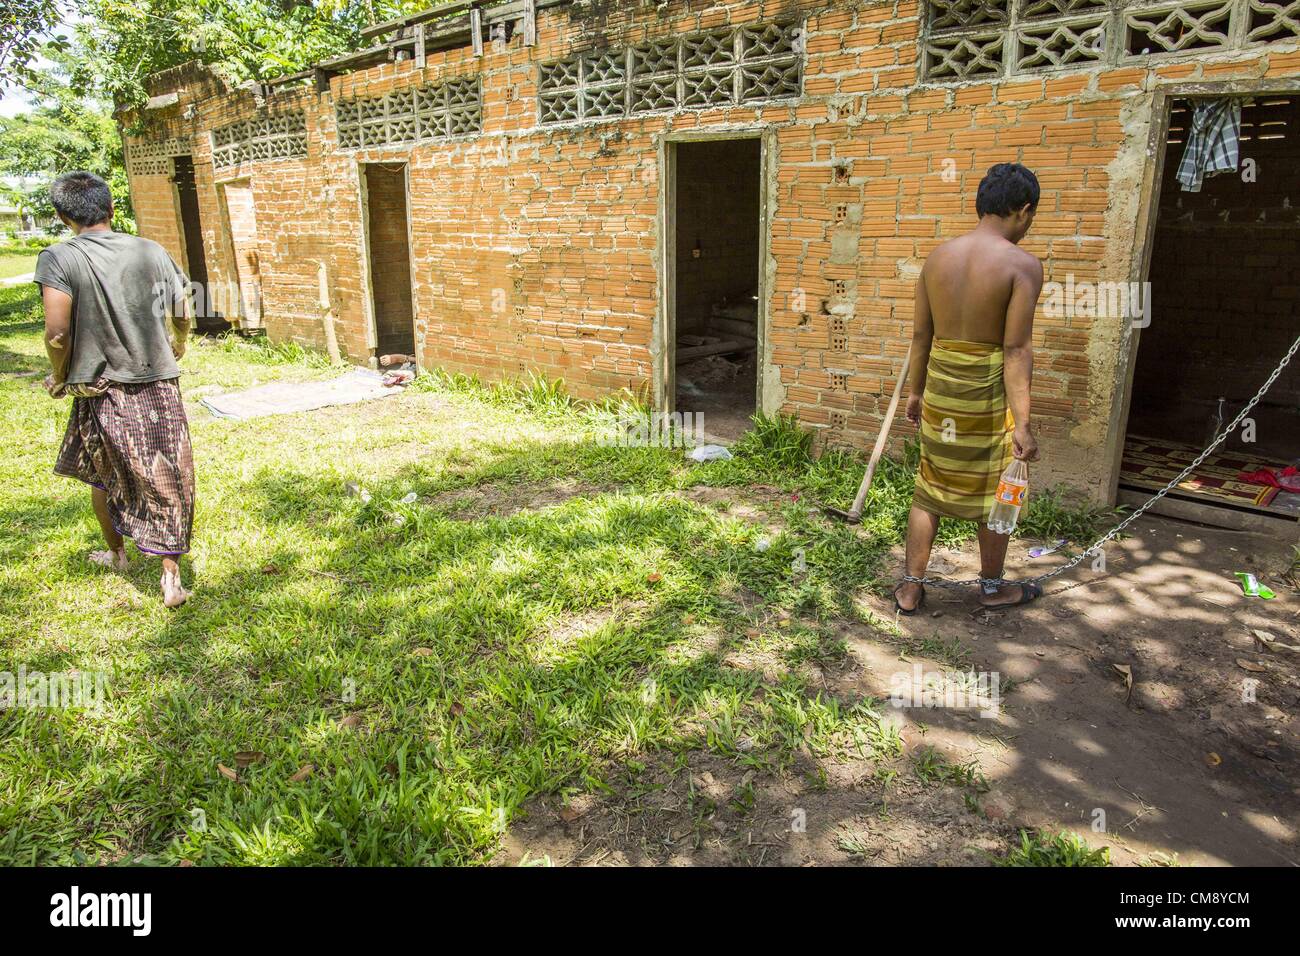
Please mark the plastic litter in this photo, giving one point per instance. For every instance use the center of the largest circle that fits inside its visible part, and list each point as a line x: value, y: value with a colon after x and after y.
x: 709, y: 453
x: 1045, y: 550
x: 1251, y: 587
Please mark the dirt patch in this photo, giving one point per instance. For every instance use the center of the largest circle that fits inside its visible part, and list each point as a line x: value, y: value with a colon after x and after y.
x: 501, y: 499
x: 712, y: 811
x: 1196, y: 762
x: 1199, y: 760
x: 757, y: 503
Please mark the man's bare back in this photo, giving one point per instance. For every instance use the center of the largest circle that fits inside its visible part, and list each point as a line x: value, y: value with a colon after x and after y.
x: 969, y: 282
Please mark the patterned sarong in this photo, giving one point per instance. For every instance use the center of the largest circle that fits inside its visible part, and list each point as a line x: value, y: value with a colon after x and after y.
x: 965, y: 430
x: 134, y: 443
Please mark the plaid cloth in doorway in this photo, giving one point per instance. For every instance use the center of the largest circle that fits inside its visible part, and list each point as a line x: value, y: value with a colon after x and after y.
x: 1212, y: 142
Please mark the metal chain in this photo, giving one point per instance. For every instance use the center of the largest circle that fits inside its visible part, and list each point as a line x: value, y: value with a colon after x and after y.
x: 1096, y: 545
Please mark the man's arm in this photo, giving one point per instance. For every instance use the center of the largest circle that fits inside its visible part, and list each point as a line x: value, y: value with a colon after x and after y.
x: 1018, y: 352
x: 58, y: 328
x: 922, y: 339
x: 179, y: 314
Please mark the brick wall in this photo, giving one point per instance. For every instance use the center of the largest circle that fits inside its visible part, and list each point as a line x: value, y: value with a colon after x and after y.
x: 534, y: 247
x: 1226, y: 306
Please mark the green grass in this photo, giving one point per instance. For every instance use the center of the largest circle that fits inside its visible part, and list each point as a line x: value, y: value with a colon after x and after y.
x: 16, y: 265
x: 1061, y: 849
x: 436, y: 662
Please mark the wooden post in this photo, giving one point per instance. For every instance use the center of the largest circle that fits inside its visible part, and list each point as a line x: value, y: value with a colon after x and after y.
x: 530, y: 22
x: 327, y: 312
x: 476, y: 29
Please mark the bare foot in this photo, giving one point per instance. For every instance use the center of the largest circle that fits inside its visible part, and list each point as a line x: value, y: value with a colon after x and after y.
x: 174, y: 595
x: 908, y: 596
x: 113, y: 560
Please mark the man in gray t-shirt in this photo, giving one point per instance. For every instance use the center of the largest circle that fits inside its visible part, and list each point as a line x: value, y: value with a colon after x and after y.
x: 116, y: 321
x: 119, y: 328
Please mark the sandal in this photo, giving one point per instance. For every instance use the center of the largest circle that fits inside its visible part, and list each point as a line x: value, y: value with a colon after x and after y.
x: 904, y: 611
x: 1029, y: 591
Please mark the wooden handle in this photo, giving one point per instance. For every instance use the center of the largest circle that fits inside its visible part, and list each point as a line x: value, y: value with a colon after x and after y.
x: 883, y: 437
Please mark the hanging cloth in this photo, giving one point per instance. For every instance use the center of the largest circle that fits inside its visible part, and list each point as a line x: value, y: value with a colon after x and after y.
x: 1212, y: 142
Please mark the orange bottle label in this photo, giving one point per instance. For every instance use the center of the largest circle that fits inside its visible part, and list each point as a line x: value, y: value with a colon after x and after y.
x: 1011, y: 494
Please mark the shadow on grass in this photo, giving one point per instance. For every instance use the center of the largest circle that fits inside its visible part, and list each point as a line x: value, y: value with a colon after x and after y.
x: 446, y: 639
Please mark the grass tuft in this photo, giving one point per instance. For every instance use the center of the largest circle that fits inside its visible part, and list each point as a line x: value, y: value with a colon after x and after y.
x: 1061, y: 849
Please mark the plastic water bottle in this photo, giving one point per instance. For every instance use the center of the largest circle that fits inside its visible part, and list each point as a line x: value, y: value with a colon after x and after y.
x: 1009, y: 498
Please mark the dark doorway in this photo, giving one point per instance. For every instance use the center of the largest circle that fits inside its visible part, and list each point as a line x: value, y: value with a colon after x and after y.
x: 388, y: 233
x: 207, y: 318
x: 1225, y: 307
x: 716, y: 209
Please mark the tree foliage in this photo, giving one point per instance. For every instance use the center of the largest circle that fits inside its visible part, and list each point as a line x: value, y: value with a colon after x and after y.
x: 64, y: 131
x: 24, y: 28
x: 121, y: 42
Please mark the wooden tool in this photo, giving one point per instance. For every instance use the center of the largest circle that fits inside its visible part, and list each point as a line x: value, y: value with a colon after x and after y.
x: 854, y: 514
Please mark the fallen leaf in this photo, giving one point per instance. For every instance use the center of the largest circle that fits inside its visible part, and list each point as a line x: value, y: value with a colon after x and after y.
x: 303, y: 773
x: 1266, y: 641
x: 1212, y: 759
x: 227, y: 772
x: 752, y: 633
x: 1251, y: 666
x: 688, y: 619
x: 1127, y: 673
x: 245, y: 757
x: 654, y: 577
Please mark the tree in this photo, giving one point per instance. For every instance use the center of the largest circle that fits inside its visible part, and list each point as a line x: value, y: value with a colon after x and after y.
x: 121, y: 42
x: 64, y: 131
x: 23, y: 26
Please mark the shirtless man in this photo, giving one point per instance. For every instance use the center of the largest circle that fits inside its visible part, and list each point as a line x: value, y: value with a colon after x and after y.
x: 970, y: 376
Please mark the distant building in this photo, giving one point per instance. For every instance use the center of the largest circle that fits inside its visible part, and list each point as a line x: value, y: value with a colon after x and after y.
x: 610, y: 192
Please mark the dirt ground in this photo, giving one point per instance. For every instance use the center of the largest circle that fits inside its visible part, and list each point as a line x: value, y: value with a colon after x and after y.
x: 1196, y: 763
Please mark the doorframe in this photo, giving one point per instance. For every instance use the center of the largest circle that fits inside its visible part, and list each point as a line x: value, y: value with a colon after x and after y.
x: 229, y: 250
x: 367, y: 300
x: 367, y: 275
x: 179, y: 212
x: 663, y: 338
x: 416, y: 336
x: 1144, y: 233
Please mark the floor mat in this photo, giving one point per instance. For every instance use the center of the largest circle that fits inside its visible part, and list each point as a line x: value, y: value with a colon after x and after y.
x: 1153, y: 462
x: 282, y: 398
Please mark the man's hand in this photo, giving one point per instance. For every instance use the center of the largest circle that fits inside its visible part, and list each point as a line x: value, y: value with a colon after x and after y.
x: 178, y: 349
x: 914, y: 410
x: 1023, y: 444
x: 51, y: 386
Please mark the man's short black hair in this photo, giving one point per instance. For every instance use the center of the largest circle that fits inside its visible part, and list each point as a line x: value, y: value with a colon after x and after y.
x: 1005, y: 188
x: 82, y: 197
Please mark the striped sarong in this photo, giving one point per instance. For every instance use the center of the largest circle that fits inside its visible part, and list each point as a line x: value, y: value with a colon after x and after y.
x: 966, y: 430
x: 134, y: 442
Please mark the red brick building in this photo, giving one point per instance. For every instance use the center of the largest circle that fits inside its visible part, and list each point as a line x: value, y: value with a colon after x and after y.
x: 588, y: 189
